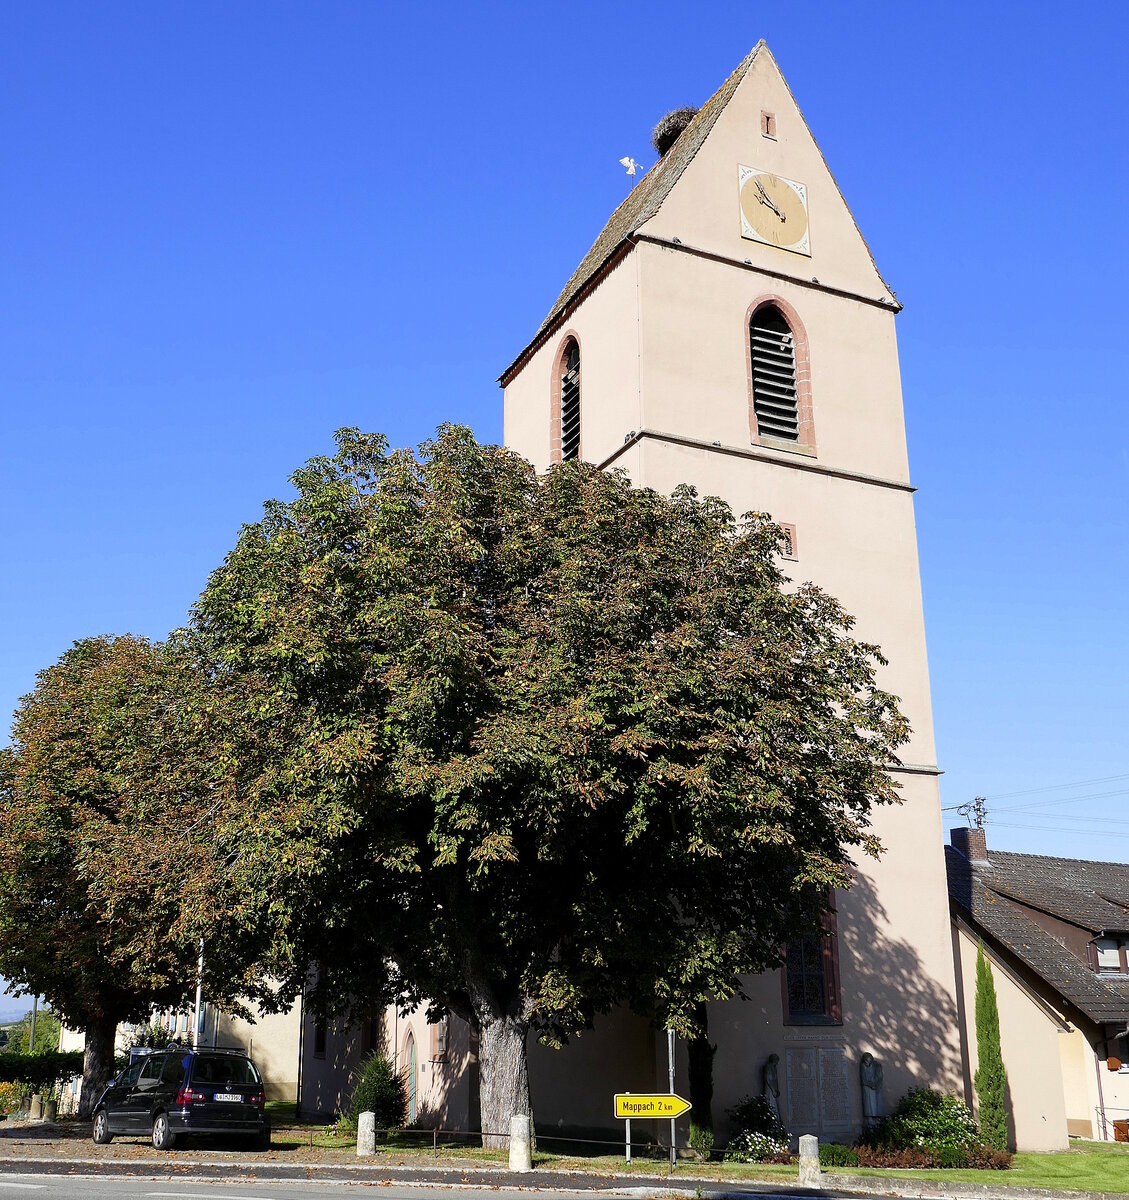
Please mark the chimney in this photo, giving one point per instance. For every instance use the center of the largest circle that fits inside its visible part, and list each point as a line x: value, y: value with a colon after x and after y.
x: 972, y: 843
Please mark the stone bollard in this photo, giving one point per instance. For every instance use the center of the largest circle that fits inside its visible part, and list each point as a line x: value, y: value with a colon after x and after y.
x: 35, y: 1113
x: 810, y: 1175
x: 366, y: 1134
x: 51, y: 1109
x: 521, y: 1154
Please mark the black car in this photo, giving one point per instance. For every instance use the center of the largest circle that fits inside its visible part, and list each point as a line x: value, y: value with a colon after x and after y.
x: 178, y: 1091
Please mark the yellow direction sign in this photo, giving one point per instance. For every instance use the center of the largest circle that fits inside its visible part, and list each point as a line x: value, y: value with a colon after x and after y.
x: 645, y: 1106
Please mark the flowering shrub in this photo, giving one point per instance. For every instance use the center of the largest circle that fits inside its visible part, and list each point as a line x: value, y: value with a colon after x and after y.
x: 929, y: 1129
x: 760, y: 1137
x: 757, y: 1148
x: 13, y: 1096
x: 928, y: 1120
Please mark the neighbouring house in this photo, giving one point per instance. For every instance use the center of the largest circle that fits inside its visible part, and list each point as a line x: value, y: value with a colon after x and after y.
x: 272, y: 1041
x: 1056, y: 933
x: 438, y: 1061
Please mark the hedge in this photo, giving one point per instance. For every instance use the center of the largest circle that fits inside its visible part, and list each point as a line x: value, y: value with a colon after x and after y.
x: 39, y: 1070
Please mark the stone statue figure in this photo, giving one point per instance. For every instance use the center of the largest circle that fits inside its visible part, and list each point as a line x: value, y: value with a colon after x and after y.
x: 870, y: 1076
x: 770, y: 1083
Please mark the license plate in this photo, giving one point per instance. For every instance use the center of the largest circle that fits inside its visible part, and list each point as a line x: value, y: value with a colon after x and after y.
x: 229, y: 1096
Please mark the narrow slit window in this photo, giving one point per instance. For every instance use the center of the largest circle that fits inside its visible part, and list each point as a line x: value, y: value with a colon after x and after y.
x: 570, y: 404
x: 773, y: 347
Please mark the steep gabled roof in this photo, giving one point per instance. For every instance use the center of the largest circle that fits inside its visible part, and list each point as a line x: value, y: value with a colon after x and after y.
x: 646, y: 196
x: 995, y: 896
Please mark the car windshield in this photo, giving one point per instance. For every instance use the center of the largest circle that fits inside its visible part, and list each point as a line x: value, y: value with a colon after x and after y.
x: 223, y: 1068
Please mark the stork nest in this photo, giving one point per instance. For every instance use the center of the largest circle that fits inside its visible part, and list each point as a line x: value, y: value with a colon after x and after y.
x: 670, y: 128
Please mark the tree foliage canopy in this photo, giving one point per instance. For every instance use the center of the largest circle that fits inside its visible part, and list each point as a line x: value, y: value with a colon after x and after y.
x: 106, y: 870
x: 541, y: 744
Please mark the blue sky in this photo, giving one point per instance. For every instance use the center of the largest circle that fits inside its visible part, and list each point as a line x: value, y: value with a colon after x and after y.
x: 228, y: 229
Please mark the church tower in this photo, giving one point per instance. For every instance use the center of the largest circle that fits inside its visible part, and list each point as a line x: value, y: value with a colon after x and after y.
x: 730, y: 329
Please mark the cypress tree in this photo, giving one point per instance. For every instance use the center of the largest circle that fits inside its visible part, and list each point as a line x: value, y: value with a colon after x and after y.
x: 990, y: 1079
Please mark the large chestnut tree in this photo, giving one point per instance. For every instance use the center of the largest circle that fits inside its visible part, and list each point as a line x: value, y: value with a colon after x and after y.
x: 546, y: 743
x: 109, y: 790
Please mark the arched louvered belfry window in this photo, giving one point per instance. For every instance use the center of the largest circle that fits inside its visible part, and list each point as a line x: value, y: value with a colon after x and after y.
x: 570, y: 402
x: 775, y: 387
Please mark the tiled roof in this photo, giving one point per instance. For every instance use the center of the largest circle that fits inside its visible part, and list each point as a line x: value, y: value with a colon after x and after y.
x: 646, y: 196
x: 992, y: 896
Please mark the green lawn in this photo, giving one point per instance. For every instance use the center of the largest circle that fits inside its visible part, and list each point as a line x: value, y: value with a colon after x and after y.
x: 1087, y: 1167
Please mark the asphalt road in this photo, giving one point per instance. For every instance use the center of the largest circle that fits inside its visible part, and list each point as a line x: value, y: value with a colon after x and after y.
x: 80, y: 1187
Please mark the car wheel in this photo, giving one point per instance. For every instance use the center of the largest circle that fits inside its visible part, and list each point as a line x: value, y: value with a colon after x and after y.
x: 163, y: 1136
x: 102, y: 1134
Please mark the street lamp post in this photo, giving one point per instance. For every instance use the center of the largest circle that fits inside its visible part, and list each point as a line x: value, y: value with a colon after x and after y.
x: 199, y: 992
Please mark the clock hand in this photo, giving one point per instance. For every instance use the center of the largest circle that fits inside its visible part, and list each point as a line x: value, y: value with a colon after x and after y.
x: 765, y: 199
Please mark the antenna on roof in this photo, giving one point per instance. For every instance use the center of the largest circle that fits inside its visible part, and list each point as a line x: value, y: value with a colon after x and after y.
x: 975, y: 812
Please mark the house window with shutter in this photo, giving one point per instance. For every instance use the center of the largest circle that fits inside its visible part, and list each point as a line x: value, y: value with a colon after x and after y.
x: 1110, y: 956
x: 439, y: 1039
x: 564, y: 432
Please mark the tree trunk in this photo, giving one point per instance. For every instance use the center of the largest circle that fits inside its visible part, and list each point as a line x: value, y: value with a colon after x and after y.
x: 503, y: 1076
x: 701, y: 1053
x: 97, y: 1062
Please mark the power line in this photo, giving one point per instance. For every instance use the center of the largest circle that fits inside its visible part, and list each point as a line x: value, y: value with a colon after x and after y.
x: 1028, y: 806
x: 1060, y: 829
x: 1056, y: 787
x: 1066, y: 818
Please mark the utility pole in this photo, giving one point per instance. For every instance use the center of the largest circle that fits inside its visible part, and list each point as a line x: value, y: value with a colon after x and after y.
x: 670, y: 1071
x: 31, y: 1035
x: 975, y: 812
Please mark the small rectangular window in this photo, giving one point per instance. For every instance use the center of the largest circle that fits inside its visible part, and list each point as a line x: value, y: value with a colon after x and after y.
x: 320, y: 1038
x: 768, y: 124
x: 788, y: 543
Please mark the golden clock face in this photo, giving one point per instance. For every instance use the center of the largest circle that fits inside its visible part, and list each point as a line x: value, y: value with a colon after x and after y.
x: 774, y: 210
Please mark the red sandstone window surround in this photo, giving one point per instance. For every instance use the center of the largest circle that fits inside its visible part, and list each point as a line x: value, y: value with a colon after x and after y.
x: 779, y: 377
x: 809, y: 978
x: 565, y: 392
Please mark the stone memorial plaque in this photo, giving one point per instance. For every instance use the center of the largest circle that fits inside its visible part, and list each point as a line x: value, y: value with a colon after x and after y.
x: 834, y: 1090
x: 802, y: 1069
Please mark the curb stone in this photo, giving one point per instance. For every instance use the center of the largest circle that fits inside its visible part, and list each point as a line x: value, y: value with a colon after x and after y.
x: 542, y: 1180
